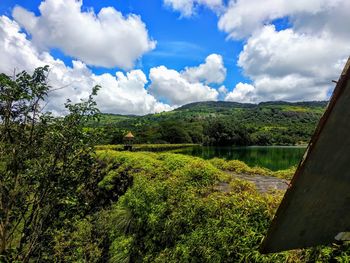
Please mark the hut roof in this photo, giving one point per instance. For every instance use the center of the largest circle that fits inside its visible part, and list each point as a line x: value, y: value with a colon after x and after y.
x: 129, y: 135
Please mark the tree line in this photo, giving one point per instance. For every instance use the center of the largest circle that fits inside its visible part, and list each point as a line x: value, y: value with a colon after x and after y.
x: 257, y: 126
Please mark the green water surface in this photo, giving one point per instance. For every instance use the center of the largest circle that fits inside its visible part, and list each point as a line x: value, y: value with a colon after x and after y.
x: 271, y: 157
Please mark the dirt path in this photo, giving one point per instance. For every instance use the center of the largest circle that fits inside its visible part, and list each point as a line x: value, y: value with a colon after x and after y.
x: 264, y: 184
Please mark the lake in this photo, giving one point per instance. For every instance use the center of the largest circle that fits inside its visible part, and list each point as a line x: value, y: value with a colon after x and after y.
x: 271, y: 157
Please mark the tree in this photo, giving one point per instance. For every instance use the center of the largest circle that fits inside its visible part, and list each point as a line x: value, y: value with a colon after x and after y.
x: 44, y: 163
x: 174, y: 132
x: 226, y: 132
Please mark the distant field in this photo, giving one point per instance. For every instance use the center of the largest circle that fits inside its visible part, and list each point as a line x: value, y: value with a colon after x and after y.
x: 145, y: 147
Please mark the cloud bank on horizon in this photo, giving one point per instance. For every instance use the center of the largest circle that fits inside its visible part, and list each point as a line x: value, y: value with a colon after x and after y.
x: 294, y: 62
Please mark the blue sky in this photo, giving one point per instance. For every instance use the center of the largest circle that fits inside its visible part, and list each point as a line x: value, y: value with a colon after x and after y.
x: 279, y: 51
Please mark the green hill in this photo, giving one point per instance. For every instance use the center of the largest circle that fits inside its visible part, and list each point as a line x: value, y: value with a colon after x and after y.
x: 219, y: 123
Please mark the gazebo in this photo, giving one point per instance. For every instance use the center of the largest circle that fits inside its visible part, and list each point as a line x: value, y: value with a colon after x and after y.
x: 128, y: 141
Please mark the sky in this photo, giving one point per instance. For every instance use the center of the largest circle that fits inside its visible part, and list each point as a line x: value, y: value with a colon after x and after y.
x: 156, y: 55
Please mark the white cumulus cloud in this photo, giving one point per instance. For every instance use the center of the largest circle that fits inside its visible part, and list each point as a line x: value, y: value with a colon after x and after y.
x: 190, y: 84
x: 106, y: 39
x: 126, y: 94
x: 287, y: 65
x: 222, y: 89
x: 294, y: 63
x: 172, y: 86
x: 187, y: 7
x: 120, y: 93
x: 243, y: 17
x: 212, y: 71
x: 243, y: 92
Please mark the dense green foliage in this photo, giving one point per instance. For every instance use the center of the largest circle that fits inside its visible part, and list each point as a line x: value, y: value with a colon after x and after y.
x: 60, y: 201
x: 176, y: 208
x: 45, y: 163
x: 177, y: 213
x: 219, y: 123
x: 240, y: 167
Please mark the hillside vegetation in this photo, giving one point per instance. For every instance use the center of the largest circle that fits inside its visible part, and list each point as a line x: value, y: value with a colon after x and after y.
x: 218, y: 123
x: 62, y: 201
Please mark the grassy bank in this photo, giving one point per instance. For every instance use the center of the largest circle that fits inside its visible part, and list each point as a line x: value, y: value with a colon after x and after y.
x: 146, y: 147
x: 176, y: 212
x: 241, y: 167
x: 224, y: 165
x: 164, y: 207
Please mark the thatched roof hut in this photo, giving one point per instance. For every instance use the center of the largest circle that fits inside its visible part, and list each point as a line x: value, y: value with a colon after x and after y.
x: 129, y: 136
x: 128, y: 141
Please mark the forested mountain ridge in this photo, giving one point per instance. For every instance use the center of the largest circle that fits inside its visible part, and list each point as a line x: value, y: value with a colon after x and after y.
x: 230, y: 104
x: 219, y: 123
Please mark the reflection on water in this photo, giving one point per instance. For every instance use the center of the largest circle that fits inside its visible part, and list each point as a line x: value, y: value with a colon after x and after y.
x: 272, y: 157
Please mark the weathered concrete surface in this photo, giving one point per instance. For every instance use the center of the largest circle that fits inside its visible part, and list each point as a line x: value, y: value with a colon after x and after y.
x: 264, y: 184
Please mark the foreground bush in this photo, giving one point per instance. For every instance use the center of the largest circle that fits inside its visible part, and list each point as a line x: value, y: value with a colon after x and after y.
x: 176, y: 212
x: 241, y: 167
x: 184, y: 209
x: 45, y: 166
